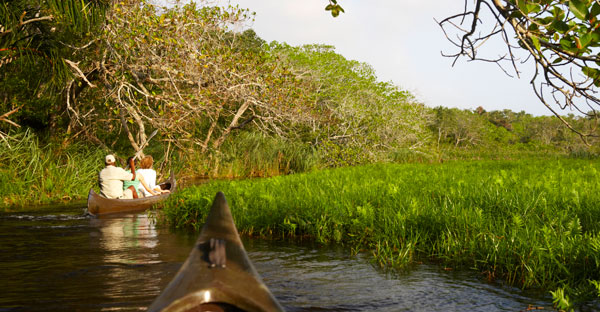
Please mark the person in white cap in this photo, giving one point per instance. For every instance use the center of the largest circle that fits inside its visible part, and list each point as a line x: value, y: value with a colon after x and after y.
x: 110, y: 180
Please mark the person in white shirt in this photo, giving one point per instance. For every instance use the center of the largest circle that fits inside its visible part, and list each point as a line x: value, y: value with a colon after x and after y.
x: 110, y: 180
x: 139, y: 183
x: 149, y: 176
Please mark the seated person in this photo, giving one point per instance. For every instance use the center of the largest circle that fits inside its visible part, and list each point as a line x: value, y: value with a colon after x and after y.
x: 111, y: 178
x: 149, y: 175
x: 134, y: 184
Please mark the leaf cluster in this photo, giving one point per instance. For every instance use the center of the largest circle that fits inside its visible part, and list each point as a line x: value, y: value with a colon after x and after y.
x: 335, y: 8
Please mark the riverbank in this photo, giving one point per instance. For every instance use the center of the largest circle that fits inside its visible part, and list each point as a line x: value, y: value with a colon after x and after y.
x: 32, y: 173
x: 532, y: 223
x: 38, y: 169
x: 37, y: 172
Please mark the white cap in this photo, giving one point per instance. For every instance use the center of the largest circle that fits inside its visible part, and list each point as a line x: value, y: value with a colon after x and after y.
x: 109, y: 159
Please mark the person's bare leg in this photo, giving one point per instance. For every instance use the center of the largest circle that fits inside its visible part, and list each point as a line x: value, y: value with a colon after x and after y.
x: 133, y: 191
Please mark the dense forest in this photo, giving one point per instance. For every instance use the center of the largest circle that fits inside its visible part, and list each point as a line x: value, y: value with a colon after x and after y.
x: 79, y: 79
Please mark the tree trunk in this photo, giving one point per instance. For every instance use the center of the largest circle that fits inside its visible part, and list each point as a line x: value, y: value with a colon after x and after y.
x: 232, y: 125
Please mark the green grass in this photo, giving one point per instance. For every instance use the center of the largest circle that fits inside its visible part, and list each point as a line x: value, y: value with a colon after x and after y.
x: 533, y: 223
x: 35, y: 174
x: 253, y: 154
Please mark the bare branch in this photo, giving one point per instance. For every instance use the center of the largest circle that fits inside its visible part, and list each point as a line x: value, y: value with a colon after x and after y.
x: 78, y: 72
x: 561, y: 75
x: 4, y: 117
x: 25, y: 22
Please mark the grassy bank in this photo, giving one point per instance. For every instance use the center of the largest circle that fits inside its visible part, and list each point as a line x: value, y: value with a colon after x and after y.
x: 531, y: 223
x: 35, y: 171
x: 32, y: 173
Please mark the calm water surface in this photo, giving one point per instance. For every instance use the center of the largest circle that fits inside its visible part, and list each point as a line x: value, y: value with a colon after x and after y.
x: 59, y: 259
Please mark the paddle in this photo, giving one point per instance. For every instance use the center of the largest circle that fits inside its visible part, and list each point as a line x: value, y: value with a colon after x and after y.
x: 137, y: 155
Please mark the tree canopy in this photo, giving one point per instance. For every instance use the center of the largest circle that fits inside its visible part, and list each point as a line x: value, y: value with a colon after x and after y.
x: 39, y: 43
x: 117, y: 72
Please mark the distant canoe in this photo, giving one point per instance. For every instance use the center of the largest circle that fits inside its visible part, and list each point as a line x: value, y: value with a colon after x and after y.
x: 218, y: 275
x: 99, y: 205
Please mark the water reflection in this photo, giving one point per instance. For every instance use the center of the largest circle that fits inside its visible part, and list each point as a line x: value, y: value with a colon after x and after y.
x: 71, y: 262
x: 128, y: 239
x: 66, y: 261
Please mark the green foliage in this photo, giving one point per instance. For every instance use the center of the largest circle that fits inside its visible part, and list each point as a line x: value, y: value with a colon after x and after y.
x: 35, y: 39
x: 507, y: 133
x: 235, y: 106
x: 334, y: 7
x: 359, y: 116
x: 43, y: 32
x: 407, y: 155
x: 559, y: 37
x: 18, y: 90
x: 213, y: 84
x: 334, y: 154
x: 457, y: 127
x: 533, y: 223
x: 32, y: 173
x: 252, y: 154
x: 184, y: 73
x: 561, y: 301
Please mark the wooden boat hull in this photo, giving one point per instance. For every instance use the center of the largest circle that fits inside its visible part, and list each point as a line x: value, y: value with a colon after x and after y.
x: 98, y: 205
x: 218, y: 275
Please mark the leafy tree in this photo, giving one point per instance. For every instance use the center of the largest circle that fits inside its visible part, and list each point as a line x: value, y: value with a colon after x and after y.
x: 506, y: 131
x: 357, y: 112
x: 334, y: 8
x: 560, y: 36
x: 458, y: 127
x: 179, y: 71
x: 37, y: 42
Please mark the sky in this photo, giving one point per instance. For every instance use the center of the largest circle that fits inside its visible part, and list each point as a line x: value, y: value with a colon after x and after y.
x: 403, y: 43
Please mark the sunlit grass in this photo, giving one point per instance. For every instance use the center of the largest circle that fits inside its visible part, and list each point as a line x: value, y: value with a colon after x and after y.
x: 34, y: 174
x: 531, y: 223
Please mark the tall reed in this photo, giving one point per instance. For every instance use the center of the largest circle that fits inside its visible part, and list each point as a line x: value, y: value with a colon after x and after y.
x: 34, y: 174
x: 253, y: 154
x: 533, y: 223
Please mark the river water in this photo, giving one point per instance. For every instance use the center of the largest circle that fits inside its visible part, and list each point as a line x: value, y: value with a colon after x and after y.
x: 59, y: 259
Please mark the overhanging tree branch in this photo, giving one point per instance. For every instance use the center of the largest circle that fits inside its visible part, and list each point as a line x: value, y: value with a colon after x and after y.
x: 559, y: 36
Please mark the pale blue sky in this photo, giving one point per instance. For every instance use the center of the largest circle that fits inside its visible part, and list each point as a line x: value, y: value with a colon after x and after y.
x: 403, y: 43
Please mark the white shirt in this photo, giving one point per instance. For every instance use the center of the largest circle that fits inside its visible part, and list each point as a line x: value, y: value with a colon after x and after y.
x: 111, y: 180
x: 150, y: 178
